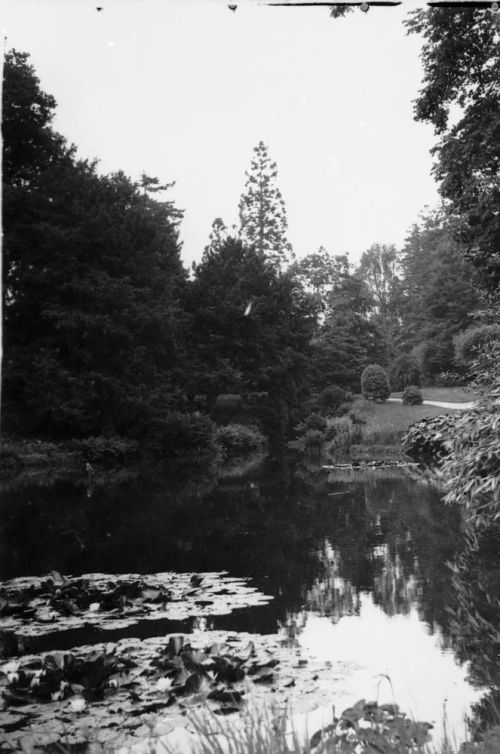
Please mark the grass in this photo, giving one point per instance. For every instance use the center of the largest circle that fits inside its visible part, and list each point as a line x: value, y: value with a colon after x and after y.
x: 386, y: 423
x: 446, y: 394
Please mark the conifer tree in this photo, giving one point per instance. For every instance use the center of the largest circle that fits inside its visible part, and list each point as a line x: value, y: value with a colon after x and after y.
x: 262, y: 212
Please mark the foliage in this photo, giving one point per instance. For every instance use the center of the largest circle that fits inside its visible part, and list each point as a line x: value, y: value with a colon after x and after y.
x: 331, y: 399
x: 461, y: 61
x: 239, y: 439
x: 315, y: 420
x: 364, y: 727
x: 176, y: 434
x: 348, y: 339
x: 320, y: 274
x: 263, y: 222
x: 375, y: 382
x: 379, y: 268
x: 469, y: 343
x: 342, y: 432
x: 249, y: 331
x: 92, y: 276
x: 107, y: 450
x: 439, y: 292
x: 404, y: 371
x: 412, y: 396
x: 438, y: 356
x: 472, y: 469
x: 431, y: 437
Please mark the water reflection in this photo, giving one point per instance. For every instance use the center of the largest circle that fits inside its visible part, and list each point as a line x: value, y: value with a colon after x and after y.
x: 357, y: 566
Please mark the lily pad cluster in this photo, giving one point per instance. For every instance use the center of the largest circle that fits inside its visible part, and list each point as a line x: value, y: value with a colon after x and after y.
x: 134, y: 689
x: 36, y: 606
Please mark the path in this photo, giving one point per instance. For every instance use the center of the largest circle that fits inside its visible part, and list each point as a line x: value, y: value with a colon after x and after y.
x: 441, y: 404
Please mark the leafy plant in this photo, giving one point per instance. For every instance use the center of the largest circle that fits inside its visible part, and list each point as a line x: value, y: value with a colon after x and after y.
x: 412, y: 396
x: 178, y: 433
x: 314, y: 420
x: 430, y: 438
x: 375, y: 383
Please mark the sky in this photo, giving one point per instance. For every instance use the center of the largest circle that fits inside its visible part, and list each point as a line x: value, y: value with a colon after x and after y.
x: 185, y: 90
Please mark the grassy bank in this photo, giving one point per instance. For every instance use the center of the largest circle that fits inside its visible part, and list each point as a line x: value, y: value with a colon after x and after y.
x: 384, y: 425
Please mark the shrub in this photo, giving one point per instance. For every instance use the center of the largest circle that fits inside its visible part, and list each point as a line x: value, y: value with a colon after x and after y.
x: 404, y: 371
x: 315, y: 420
x: 412, y: 396
x: 177, y: 433
x: 375, y: 383
x: 331, y: 398
x: 239, y: 439
x: 341, y: 434
x: 430, y: 438
x: 469, y: 342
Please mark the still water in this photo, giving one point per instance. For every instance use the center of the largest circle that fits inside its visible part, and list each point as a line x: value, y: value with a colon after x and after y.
x: 357, y: 567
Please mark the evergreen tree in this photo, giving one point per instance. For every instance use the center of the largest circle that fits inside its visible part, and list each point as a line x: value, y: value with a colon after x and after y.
x: 91, y: 281
x: 262, y: 213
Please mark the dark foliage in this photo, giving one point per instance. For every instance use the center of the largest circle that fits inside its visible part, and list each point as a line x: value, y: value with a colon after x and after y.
x: 404, y: 371
x: 91, y: 281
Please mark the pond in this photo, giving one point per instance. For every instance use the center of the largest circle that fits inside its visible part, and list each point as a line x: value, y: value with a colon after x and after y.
x: 349, y: 571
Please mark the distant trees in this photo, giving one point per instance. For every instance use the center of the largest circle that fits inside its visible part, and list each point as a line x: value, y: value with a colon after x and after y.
x: 262, y: 213
x: 379, y: 268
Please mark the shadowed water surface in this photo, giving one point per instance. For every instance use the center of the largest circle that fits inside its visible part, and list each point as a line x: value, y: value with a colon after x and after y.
x: 357, y: 567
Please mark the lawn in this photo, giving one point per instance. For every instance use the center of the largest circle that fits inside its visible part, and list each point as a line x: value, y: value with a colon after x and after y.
x: 386, y: 423
x: 447, y: 394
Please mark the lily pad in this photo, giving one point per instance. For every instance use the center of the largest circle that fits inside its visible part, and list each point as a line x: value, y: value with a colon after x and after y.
x: 31, y: 607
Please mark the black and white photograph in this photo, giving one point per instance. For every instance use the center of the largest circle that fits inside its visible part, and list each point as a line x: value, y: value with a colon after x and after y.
x: 250, y: 384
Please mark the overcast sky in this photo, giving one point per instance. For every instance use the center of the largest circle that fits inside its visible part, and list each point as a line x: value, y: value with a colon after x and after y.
x: 184, y: 90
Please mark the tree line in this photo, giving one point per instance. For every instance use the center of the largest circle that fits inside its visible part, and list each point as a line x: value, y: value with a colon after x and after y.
x: 107, y: 333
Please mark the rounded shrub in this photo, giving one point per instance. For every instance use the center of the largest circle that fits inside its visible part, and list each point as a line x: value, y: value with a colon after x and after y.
x: 404, y: 371
x: 412, y: 396
x: 331, y: 399
x: 315, y: 420
x: 239, y: 439
x: 375, y: 383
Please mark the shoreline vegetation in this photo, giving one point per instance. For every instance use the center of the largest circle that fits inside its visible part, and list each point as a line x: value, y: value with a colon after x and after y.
x: 382, y: 428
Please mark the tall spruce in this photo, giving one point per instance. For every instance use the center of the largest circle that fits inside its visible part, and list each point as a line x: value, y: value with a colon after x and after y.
x: 262, y: 212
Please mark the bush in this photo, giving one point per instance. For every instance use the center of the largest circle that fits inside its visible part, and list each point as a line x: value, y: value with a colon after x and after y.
x: 177, y: 433
x: 375, y: 383
x: 341, y: 434
x: 412, y: 396
x: 331, y: 398
x: 315, y: 420
x: 404, y: 371
x: 430, y: 438
x: 469, y: 343
x: 239, y: 439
